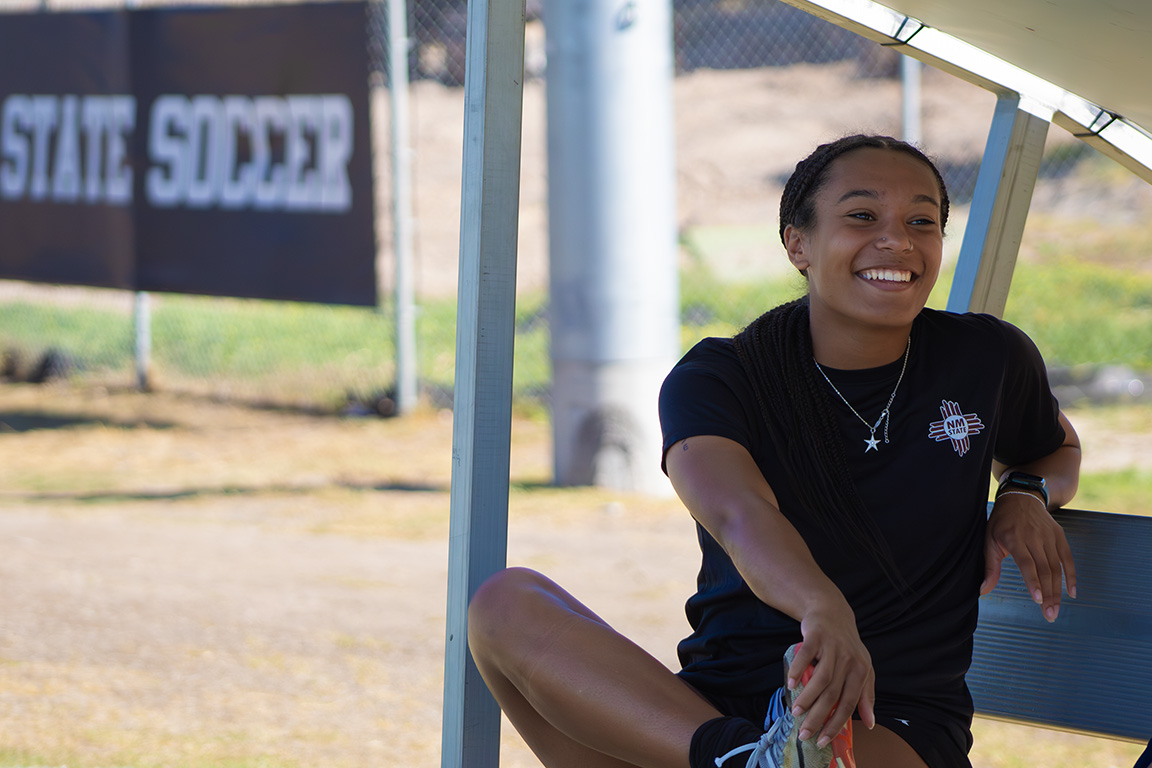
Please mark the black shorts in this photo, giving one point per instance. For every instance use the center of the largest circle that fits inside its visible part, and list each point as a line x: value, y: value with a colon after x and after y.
x: 940, y: 742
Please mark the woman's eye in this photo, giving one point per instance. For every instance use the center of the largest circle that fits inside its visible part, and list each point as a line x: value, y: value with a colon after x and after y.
x: 862, y: 215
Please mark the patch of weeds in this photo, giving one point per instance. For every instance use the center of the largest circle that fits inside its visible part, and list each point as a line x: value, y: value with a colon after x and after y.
x: 1127, y: 491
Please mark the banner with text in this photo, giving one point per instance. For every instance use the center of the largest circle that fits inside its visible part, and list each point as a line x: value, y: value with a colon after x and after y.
x: 219, y: 151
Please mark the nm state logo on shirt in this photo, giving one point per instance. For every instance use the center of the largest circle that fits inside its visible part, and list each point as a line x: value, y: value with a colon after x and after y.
x: 956, y: 426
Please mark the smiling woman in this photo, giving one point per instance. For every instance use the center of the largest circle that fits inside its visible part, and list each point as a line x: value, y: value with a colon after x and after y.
x: 836, y: 456
x: 873, y: 255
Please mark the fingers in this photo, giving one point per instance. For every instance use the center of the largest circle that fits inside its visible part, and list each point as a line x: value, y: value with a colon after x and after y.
x: 835, y: 688
x: 805, y: 655
x: 993, y: 557
x: 866, y: 707
x: 1042, y: 565
x: 1067, y: 564
x: 1038, y: 545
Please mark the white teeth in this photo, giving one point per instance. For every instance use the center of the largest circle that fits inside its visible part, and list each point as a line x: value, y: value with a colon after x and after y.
x: 891, y: 275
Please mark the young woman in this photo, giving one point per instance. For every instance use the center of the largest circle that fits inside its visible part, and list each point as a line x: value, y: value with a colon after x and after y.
x: 836, y: 455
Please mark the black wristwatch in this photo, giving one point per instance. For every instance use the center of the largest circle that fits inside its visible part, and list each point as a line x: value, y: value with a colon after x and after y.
x: 1024, y: 482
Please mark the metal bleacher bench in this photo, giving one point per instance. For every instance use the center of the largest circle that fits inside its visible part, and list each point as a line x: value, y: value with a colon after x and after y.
x: 1091, y: 670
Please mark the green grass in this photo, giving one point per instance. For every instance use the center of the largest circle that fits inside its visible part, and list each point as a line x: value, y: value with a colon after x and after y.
x: 1079, y: 313
x: 1128, y: 491
x: 253, y: 339
x: 91, y: 334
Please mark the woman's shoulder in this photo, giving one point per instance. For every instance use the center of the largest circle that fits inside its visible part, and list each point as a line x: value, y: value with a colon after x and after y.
x: 977, y: 327
x: 711, y: 362
x: 713, y: 349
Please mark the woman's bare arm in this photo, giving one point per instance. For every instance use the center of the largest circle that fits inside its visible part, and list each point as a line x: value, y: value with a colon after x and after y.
x: 719, y: 482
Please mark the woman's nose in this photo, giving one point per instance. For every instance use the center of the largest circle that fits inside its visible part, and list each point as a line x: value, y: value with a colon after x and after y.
x: 895, y: 239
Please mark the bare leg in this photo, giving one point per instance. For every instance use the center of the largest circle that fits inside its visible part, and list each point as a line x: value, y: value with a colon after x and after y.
x: 882, y: 747
x: 580, y: 693
x: 584, y: 696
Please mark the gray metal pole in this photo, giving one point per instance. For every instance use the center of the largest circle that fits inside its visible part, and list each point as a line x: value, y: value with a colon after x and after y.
x: 910, y: 112
x: 1000, y: 205
x: 613, y: 238
x: 485, y: 332
x: 407, y: 392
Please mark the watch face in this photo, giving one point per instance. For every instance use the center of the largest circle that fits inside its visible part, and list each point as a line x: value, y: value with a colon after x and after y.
x: 1025, y: 480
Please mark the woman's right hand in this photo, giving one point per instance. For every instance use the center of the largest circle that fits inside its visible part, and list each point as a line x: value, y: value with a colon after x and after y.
x: 842, y: 674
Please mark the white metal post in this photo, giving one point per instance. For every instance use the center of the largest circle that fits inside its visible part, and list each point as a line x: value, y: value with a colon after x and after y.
x: 612, y: 237
x: 407, y: 392
x: 1000, y: 204
x: 485, y: 330
x: 142, y: 324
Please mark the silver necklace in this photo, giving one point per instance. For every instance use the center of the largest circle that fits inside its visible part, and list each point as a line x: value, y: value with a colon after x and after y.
x: 885, y: 415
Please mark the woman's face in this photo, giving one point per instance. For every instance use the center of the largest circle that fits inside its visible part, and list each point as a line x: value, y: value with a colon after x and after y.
x: 873, y: 253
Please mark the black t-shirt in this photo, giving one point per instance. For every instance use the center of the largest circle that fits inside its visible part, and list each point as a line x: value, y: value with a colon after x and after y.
x: 975, y: 388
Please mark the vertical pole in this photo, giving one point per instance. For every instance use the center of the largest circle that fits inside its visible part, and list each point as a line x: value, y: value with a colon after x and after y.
x: 910, y: 111
x: 1000, y: 204
x: 405, y: 333
x: 612, y: 234
x: 142, y: 317
x: 142, y: 323
x: 485, y: 332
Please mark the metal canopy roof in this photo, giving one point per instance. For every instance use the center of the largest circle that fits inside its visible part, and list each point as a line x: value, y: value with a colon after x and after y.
x: 1081, y: 63
x: 1101, y: 50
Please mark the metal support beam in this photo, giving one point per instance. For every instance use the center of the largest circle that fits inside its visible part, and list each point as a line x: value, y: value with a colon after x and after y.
x: 911, y: 112
x: 999, y: 206
x: 407, y: 393
x: 485, y: 325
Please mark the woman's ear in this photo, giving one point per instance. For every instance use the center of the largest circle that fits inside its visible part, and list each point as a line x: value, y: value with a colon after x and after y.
x: 794, y: 244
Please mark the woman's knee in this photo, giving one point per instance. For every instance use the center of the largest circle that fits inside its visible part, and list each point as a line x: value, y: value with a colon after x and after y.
x: 505, y: 603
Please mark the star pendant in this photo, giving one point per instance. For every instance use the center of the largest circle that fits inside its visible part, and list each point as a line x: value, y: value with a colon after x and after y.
x: 873, y: 444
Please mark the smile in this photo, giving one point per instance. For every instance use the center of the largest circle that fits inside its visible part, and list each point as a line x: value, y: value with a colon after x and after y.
x: 887, y: 275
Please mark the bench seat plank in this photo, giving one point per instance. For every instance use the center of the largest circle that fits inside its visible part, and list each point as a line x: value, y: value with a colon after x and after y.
x: 1091, y: 670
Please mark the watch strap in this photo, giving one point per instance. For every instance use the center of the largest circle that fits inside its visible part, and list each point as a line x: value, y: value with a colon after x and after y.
x: 1026, y: 482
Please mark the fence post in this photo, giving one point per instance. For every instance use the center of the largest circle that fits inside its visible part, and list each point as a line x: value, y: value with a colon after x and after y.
x: 141, y: 315
x: 407, y: 392
x: 142, y: 325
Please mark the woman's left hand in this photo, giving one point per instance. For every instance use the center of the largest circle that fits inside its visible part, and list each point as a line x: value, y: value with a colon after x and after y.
x: 1021, y: 526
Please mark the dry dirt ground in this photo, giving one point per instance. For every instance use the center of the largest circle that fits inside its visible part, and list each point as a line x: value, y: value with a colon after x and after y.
x: 189, y: 583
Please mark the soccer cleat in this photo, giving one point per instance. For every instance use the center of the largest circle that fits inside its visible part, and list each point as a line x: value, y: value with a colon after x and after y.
x: 781, y: 747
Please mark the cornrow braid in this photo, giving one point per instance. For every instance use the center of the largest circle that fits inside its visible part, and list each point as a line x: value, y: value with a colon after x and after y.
x: 797, y: 204
x: 776, y: 353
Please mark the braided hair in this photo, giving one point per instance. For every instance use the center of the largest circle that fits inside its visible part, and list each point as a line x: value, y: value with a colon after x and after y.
x: 776, y: 352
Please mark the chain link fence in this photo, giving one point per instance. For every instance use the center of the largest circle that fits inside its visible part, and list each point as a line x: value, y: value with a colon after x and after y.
x: 758, y: 83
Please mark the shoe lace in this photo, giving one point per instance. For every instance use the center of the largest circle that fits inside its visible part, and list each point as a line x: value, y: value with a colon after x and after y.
x: 763, y: 755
